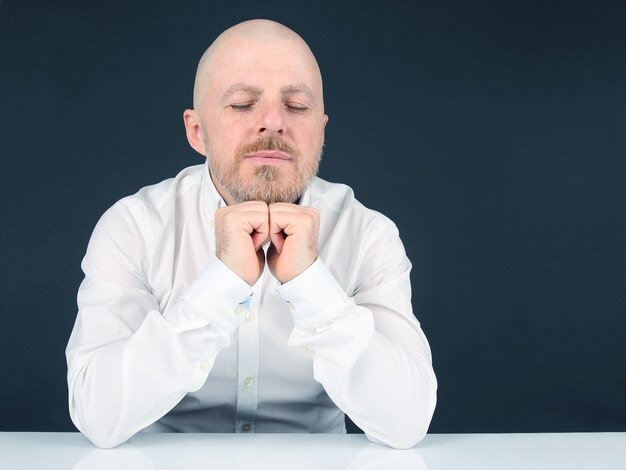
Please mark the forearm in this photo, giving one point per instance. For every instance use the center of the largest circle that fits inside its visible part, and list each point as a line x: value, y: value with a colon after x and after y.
x: 122, y: 379
x: 383, y: 380
x: 123, y: 387
x: 389, y: 391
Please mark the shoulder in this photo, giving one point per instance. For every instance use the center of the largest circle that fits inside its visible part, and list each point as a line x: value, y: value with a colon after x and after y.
x: 360, y: 246
x: 154, y: 199
x: 157, y: 195
x: 338, y: 203
x: 152, y: 204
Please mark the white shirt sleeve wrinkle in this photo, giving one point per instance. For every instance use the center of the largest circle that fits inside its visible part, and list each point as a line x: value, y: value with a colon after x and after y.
x: 160, y: 360
x: 161, y: 320
x: 381, y: 378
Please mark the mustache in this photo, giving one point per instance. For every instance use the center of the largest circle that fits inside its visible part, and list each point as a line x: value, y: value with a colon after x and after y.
x: 270, y: 142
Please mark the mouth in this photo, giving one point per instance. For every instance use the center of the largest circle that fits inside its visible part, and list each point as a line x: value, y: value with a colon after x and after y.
x: 269, y: 157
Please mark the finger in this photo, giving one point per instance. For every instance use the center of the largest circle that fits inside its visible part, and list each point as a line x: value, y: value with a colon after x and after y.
x: 260, y: 256
x: 285, y: 206
x: 272, y: 257
x: 259, y: 223
x: 254, y: 216
x: 277, y: 235
x: 250, y: 205
x: 280, y: 221
x: 278, y: 241
x: 287, y: 221
x: 250, y: 217
x: 281, y: 210
x: 258, y: 239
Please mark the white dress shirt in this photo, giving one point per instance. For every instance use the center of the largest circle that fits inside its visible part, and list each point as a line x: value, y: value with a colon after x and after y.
x: 168, y: 338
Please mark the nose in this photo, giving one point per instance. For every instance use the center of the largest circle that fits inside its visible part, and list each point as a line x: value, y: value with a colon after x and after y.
x: 272, y: 120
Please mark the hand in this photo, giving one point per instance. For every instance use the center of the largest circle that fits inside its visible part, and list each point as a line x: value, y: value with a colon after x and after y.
x: 294, y: 233
x: 240, y: 232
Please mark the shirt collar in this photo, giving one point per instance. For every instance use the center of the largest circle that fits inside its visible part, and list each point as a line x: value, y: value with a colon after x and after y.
x: 211, y: 198
x: 305, y: 200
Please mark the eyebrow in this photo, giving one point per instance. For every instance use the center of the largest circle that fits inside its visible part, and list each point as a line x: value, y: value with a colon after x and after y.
x: 300, y: 88
x: 236, y: 87
x: 256, y: 91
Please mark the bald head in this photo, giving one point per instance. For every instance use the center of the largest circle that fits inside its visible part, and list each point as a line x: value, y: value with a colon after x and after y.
x: 261, y: 43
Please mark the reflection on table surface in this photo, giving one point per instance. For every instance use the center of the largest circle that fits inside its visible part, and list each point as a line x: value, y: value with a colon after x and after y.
x: 315, y: 451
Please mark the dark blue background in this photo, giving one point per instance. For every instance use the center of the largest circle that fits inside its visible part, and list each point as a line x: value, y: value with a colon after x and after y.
x: 493, y: 133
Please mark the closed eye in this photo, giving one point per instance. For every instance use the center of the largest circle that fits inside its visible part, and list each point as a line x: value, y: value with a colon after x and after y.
x: 298, y: 108
x: 241, y: 106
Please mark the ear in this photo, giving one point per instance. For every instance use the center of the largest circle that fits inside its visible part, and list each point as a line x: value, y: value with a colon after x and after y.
x: 195, y: 134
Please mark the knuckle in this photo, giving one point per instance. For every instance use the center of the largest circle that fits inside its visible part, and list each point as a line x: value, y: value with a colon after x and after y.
x: 227, y: 217
x: 313, y: 214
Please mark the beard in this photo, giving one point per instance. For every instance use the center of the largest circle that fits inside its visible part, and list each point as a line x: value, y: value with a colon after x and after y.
x: 265, y: 183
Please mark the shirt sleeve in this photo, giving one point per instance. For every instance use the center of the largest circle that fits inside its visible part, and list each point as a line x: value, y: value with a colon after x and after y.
x: 369, y: 352
x: 129, y: 364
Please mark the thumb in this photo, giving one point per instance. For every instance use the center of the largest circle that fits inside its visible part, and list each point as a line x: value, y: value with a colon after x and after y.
x: 272, y: 259
x: 278, y: 241
x: 258, y: 238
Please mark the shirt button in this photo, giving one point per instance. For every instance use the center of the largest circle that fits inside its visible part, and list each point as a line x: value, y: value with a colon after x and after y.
x: 239, y: 309
x: 245, y: 427
x: 249, y: 316
x: 248, y: 382
x: 204, y: 365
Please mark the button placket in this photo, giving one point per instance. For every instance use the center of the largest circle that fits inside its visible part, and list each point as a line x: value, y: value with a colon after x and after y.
x: 248, y: 364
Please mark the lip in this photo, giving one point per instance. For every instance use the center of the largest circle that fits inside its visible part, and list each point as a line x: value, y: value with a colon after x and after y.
x: 268, y: 157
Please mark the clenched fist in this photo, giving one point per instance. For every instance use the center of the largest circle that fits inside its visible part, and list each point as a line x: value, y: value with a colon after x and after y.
x: 240, y: 232
x: 242, y: 229
x: 294, y: 232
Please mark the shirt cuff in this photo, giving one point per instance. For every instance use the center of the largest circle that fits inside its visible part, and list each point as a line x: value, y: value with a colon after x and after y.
x: 215, y: 296
x: 314, y: 296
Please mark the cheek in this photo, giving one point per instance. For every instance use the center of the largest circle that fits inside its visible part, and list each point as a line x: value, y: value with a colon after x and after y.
x: 310, y: 135
x: 224, y: 144
x: 226, y: 132
x: 315, y: 141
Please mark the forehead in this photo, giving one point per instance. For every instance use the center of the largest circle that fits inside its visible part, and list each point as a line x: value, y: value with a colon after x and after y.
x: 266, y: 64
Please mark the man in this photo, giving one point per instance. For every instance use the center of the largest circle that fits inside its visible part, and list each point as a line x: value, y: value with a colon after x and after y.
x: 248, y: 295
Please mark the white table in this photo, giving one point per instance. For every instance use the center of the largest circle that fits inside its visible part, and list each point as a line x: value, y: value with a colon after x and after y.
x: 51, y: 451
